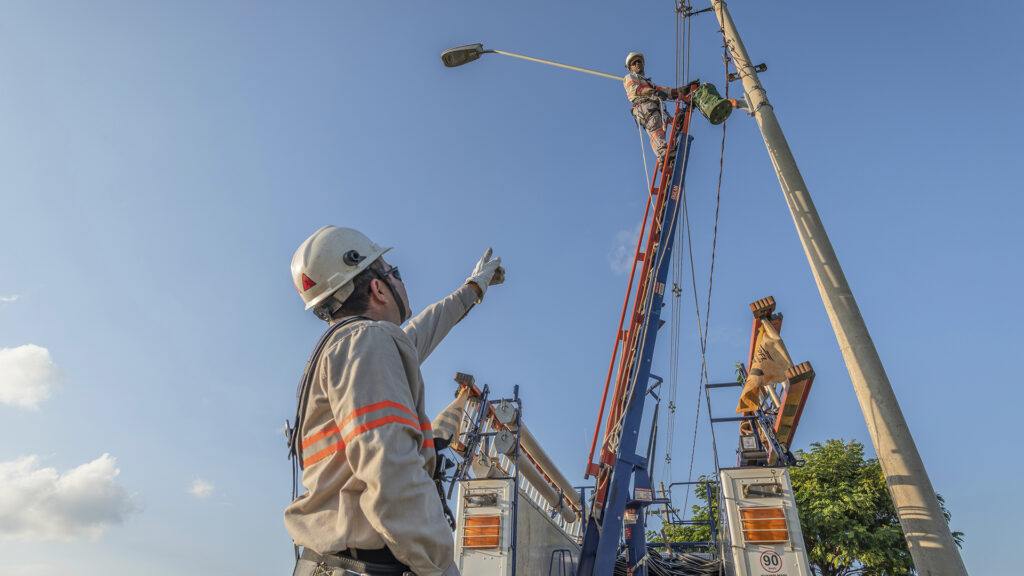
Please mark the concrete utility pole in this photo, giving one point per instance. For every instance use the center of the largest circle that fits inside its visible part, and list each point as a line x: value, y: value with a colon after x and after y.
x: 931, y: 545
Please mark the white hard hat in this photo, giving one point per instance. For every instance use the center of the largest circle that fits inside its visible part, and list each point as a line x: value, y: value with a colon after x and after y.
x: 632, y: 56
x: 328, y: 260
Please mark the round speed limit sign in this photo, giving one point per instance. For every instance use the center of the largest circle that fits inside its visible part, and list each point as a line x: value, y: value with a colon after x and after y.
x: 771, y: 561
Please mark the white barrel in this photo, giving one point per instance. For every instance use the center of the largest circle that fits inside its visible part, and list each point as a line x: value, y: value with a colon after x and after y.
x: 527, y: 469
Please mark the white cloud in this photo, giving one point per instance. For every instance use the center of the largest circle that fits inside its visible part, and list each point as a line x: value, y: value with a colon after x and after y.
x: 620, y: 258
x: 41, y: 504
x: 9, y: 299
x: 34, y: 569
x: 27, y: 375
x: 201, y: 488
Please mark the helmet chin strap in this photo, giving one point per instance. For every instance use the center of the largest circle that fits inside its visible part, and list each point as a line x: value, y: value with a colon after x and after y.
x: 402, y: 312
x: 398, y: 300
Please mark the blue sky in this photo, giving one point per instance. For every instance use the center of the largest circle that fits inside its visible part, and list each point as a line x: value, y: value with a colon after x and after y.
x: 160, y: 163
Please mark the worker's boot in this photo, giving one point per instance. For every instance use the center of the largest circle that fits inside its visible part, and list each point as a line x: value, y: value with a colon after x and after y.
x: 671, y: 160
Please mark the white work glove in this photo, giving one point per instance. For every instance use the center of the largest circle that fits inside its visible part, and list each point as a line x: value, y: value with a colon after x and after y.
x: 486, y: 273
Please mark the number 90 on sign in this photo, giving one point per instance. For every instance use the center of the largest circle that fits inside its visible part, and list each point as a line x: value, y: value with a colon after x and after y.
x: 771, y: 561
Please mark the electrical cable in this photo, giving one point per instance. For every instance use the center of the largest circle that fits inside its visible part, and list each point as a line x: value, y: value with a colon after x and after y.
x: 679, y: 564
x: 707, y: 317
x: 683, y: 38
x: 656, y: 566
x: 676, y: 307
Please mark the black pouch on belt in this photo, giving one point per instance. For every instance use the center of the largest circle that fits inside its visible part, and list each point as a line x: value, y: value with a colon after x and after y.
x: 360, y: 567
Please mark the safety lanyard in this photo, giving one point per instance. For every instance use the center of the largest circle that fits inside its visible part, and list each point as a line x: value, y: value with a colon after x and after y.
x: 302, y: 400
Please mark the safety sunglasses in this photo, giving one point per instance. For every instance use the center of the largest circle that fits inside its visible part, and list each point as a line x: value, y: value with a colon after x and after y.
x: 393, y: 272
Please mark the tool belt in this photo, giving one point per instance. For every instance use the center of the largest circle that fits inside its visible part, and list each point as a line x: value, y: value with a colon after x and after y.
x: 350, y: 563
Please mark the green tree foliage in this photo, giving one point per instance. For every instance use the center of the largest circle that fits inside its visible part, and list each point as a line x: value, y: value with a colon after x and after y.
x: 848, y: 519
x: 847, y: 515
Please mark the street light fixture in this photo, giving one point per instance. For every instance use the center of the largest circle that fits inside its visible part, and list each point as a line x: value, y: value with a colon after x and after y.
x: 460, y: 55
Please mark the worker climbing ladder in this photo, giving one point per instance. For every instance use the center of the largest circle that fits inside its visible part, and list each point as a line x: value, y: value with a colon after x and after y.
x: 614, y: 506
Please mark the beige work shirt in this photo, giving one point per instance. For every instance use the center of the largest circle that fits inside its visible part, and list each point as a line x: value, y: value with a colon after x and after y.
x: 367, y: 445
x: 635, y: 83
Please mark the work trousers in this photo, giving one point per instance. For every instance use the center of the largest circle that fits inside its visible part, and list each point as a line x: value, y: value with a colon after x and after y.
x: 649, y: 115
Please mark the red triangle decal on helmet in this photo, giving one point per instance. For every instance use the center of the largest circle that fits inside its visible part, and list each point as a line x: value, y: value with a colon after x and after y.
x: 307, y: 283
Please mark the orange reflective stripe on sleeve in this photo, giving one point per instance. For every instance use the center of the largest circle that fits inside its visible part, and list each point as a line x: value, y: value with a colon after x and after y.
x: 320, y: 436
x: 428, y: 439
x: 336, y: 447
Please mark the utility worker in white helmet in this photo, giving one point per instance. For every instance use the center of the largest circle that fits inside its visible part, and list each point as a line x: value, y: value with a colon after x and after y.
x: 361, y: 436
x: 646, y: 97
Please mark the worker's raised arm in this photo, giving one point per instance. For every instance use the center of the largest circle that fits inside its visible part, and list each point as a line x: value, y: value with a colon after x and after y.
x: 429, y: 327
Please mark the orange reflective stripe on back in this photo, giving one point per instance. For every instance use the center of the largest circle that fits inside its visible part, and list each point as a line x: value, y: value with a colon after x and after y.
x: 340, y: 445
x: 354, y: 414
x: 373, y: 407
x: 377, y: 424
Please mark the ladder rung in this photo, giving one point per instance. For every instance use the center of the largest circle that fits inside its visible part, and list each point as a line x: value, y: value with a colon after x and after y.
x: 724, y: 385
x: 734, y: 419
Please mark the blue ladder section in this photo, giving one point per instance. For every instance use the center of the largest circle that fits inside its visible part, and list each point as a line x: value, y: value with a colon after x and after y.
x: 621, y: 512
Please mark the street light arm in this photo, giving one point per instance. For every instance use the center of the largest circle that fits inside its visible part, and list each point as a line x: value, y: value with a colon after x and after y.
x: 551, y: 63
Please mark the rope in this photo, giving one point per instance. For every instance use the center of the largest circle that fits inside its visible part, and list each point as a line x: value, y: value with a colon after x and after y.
x: 613, y: 437
x: 613, y: 433
x: 643, y: 155
x: 711, y: 276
